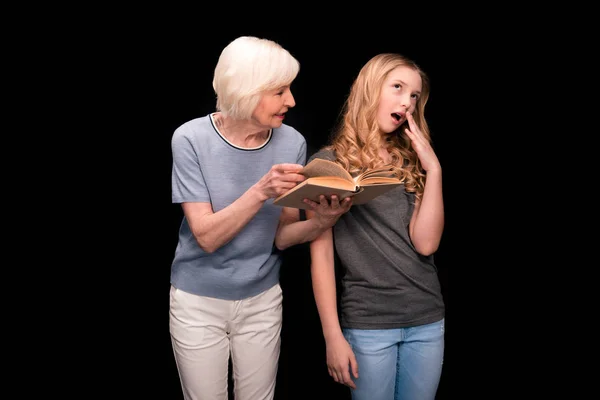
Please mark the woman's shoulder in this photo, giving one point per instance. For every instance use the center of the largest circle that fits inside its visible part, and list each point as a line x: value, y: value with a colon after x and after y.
x: 193, y: 128
x: 288, y: 130
x: 288, y: 134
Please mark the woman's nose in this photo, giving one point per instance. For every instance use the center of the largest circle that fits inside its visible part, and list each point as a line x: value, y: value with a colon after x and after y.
x: 289, y: 100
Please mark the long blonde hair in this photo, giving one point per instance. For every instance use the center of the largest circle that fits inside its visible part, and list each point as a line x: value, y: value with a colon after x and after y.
x: 359, y: 120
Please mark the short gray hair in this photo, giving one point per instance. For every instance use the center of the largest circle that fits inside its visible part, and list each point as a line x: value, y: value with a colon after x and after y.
x: 247, y: 67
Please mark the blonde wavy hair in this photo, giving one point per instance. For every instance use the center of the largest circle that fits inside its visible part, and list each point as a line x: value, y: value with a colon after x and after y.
x: 357, y: 138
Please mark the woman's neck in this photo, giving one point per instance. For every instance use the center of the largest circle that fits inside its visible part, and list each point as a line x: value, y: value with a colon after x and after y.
x: 243, y: 133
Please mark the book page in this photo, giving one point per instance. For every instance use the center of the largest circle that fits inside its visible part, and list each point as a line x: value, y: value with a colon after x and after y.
x: 312, y: 188
x: 333, y: 182
x: 320, y: 167
x: 370, y: 192
x: 383, y: 171
x: 378, y: 180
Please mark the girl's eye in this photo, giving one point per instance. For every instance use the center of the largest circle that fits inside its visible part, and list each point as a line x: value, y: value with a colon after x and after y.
x: 397, y: 86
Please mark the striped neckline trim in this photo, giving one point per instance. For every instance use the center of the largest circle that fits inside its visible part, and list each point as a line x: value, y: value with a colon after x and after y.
x: 212, y: 121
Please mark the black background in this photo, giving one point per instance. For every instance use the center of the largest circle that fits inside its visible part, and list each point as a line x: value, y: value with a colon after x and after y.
x: 98, y: 91
x: 165, y: 79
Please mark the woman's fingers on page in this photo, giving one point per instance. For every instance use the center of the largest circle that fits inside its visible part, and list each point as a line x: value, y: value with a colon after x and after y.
x: 287, y: 167
x: 287, y: 173
x: 293, y: 177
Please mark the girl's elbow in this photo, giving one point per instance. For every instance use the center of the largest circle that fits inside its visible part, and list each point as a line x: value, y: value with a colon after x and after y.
x: 427, y: 249
x: 426, y: 252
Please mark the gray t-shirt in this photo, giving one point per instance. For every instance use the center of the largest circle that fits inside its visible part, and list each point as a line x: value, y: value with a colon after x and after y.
x: 385, y: 282
x: 208, y: 168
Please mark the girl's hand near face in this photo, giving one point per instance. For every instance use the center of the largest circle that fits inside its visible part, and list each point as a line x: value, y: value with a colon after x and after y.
x: 429, y: 160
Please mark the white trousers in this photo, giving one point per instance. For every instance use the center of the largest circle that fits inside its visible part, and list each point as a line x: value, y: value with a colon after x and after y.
x: 205, y: 331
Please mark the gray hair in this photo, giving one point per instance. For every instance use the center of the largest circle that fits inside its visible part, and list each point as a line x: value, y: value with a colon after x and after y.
x: 248, y: 67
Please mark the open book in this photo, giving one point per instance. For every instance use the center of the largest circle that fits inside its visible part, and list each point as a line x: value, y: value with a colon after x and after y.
x: 328, y: 178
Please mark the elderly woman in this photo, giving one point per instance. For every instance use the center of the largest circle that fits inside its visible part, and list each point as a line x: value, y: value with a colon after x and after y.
x: 228, y: 167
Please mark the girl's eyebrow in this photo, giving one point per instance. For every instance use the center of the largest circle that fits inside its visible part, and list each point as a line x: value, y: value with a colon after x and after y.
x: 404, y: 83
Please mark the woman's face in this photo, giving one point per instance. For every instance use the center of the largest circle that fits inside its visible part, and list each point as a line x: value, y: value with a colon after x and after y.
x: 399, y: 94
x: 272, y: 107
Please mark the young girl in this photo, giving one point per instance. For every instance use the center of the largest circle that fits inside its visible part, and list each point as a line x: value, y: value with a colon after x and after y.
x: 389, y: 340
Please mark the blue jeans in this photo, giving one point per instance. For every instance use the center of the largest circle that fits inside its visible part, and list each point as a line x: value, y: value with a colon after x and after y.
x: 399, y: 364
